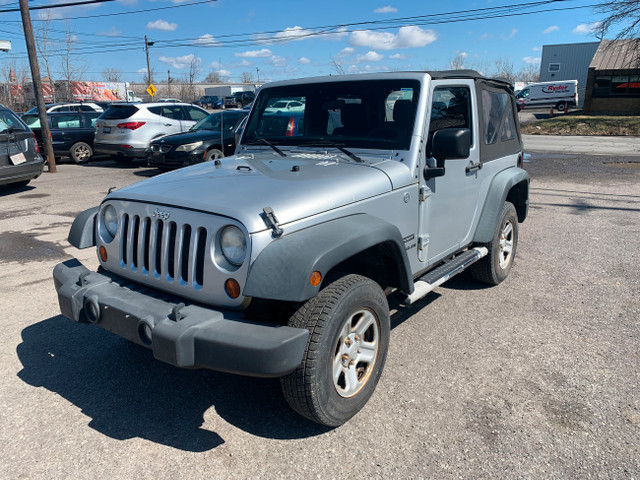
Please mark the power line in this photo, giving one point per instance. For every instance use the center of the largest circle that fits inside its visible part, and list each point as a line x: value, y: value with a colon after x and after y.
x: 58, y: 5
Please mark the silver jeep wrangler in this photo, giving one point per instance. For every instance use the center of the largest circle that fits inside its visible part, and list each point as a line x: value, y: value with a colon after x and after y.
x: 276, y: 262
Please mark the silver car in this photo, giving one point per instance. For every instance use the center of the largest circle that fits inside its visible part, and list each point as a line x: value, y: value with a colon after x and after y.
x: 125, y: 130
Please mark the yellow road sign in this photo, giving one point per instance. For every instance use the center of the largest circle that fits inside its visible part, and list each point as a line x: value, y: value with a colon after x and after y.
x: 151, y: 90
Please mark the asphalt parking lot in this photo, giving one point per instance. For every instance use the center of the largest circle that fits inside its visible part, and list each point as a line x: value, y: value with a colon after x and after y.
x: 535, y: 378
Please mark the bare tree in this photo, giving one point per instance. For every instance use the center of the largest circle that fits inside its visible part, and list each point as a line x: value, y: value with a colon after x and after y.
x: 213, y: 77
x: 529, y: 73
x: 112, y: 74
x: 247, y: 77
x: 625, y: 13
x: 70, y: 64
x: 46, y: 47
x: 503, y: 68
x: 458, y: 62
x: 145, y: 76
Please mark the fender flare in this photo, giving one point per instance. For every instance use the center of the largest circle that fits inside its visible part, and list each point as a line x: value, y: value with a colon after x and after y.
x: 82, y: 233
x: 496, y: 196
x: 281, y: 270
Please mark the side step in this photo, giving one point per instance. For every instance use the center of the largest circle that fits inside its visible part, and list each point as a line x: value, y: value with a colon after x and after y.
x: 444, y: 272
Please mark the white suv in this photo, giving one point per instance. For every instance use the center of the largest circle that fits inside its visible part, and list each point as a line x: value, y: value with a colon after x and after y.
x: 70, y: 107
x: 125, y: 130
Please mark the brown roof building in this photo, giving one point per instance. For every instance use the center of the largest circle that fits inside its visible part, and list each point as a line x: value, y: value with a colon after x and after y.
x: 613, y: 81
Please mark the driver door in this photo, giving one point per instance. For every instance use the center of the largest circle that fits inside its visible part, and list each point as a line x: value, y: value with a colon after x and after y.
x: 450, y: 202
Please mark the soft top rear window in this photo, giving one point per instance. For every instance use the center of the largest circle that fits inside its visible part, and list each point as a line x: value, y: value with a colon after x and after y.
x: 119, y: 112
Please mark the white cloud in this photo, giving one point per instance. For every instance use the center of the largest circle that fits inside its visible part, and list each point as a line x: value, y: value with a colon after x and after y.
x: 463, y: 54
x: 142, y: 70
x: 180, y: 62
x: 407, y: 37
x: 585, y: 28
x: 552, y: 28
x: 511, y: 35
x: 215, y: 65
x: 277, y: 61
x: 536, y: 49
x: 339, y: 34
x: 114, y: 32
x: 224, y: 73
x: 387, y: 9
x: 292, y: 33
x: 484, y: 36
x: 304, y: 61
x: 532, y: 60
x: 345, y: 52
x: 206, y: 40
x: 162, y: 25
x: 370, y: 56
x: 244, y: 63
x: 264, y: 53
x: 398, y: 56
x: 48, y: 15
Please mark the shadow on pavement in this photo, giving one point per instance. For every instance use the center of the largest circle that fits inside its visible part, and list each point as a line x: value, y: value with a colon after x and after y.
x: 127, y: 393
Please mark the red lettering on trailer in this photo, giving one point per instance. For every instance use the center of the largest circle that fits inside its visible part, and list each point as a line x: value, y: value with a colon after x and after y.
x: 554, y: 88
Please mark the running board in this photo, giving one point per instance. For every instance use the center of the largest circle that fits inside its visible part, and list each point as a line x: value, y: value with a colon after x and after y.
x: 444, y: 272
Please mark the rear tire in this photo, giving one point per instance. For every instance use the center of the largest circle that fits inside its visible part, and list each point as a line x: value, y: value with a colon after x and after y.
x: 495, y: 267
x: 348, y: 323
x: 561, y: 106
x: 81, y: 152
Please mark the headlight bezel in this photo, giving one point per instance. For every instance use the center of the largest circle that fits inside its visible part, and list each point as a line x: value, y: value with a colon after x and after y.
x: 108, y: 223
x: 189, y: 147
x: 232, y: 237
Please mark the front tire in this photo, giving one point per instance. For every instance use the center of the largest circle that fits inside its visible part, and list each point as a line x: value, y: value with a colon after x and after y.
x: 348, y: 323
x: 81, y: 152
x: 495, y: 267
x: 213, y: 154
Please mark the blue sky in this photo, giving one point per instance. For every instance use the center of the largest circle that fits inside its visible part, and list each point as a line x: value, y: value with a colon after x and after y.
x: 283, y: 39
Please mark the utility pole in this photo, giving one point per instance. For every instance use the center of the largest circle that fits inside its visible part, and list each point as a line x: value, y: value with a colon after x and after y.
x: 169, y: 83
x: 37, y: 86
x: 258, y: 74
x: 148, y: 44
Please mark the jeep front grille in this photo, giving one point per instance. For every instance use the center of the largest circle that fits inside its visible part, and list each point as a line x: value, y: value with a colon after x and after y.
x: 164, y: 249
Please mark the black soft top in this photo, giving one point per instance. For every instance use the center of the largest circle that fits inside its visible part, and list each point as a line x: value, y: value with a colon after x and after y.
x: 469, y: 74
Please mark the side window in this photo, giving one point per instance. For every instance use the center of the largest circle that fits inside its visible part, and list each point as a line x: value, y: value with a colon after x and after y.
x: 493, y: 107
x: 90, y: 119
x: 451, y: 108
x: 156, y: 110
x: 66, y: 121
x: 195, y: 114
x: 174, y: 111
x: 509, y: 127
x: 86, y: 108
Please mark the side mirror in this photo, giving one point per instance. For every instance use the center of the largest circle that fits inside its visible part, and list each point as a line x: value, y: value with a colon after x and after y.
x: 448, y: 144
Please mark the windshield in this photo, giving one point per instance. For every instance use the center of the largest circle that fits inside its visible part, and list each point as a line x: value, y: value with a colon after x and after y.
x: 376, y: 114
x: 213, y: 122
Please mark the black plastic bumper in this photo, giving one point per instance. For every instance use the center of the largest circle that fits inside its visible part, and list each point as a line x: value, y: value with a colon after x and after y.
x: 118, y: 150
x: 198, y: 338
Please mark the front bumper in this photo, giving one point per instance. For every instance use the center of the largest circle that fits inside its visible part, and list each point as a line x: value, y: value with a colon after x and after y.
x: 174, y: 159
x: 190, y: 337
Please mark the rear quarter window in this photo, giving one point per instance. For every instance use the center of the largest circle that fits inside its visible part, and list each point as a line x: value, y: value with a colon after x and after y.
x: 119, y: 112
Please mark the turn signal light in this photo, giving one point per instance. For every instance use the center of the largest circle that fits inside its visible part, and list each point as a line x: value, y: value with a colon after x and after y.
x: 130, y: 125
x: 35, y: 140
x: 232, y: 287
x: 103, y: 253
x: 315, y: 278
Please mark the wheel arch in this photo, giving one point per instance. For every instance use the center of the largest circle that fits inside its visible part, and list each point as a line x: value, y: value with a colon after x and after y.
x: 358, y: 242
x: 510, y: 185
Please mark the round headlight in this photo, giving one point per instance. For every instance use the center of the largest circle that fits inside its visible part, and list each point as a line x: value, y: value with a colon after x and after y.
x: 233, y: 244
x: 110, y: 220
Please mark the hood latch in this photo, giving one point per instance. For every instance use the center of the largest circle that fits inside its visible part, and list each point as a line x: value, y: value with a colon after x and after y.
x: 271, y: 221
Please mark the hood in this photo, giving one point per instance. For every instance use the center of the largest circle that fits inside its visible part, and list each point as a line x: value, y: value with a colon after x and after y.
x: 296, y: 186
x: 187, y: 137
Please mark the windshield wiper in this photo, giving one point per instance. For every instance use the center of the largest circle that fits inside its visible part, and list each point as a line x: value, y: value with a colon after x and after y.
x: 264, y: 141
x: 339, y: 146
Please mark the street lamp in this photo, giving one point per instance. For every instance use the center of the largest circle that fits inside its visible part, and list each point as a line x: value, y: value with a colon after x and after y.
x: 148, y: 44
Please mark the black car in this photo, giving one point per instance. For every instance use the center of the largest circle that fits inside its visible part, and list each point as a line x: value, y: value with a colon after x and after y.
x: 71, y: 133
x: 211, y: 138
x: 209, y: 101
x: 20, y: 160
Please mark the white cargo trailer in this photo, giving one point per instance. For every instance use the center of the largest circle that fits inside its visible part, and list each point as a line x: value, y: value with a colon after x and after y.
x: 558, y: 95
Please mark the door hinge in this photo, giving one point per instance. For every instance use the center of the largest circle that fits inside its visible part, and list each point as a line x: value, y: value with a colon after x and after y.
x: 423, y: 241
x: 424, y: 193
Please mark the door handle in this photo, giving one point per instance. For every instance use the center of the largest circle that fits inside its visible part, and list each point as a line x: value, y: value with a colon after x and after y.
x: 473, y: 167
x: 168, y: 124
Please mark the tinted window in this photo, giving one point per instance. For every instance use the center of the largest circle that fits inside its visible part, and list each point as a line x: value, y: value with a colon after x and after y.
x: 195, y: 114
x: 86, y: 108
x: 493, y: 107
x: 90, y: 119
x: 119, y: 112
x: 508, y: 127
x: 174, y: 112
x: 66, y: 121
x: 32, y: 120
